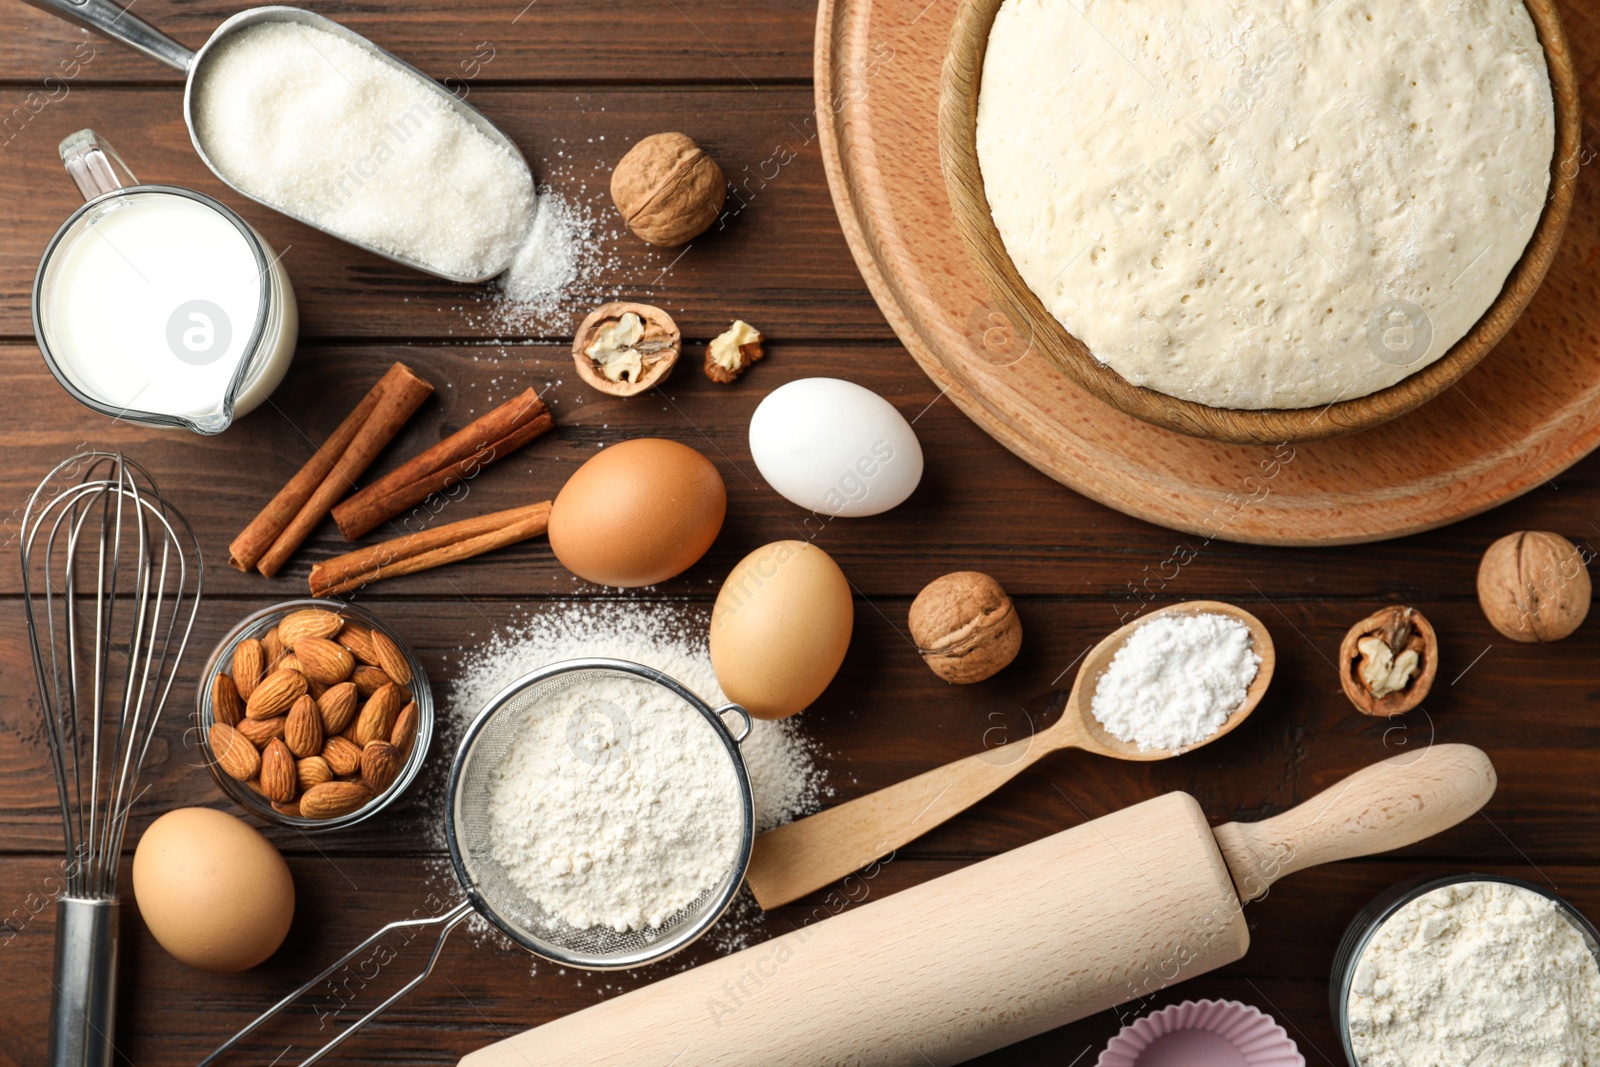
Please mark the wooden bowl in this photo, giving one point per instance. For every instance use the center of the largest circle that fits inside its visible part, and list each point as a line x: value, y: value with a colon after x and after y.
x: 958, y: 121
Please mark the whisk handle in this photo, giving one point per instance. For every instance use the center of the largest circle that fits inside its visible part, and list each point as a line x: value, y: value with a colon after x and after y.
x: 83, y: 1011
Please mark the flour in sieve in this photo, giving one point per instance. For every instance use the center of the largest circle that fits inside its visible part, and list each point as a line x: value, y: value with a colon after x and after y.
x: 780, y: 758
x: 1175, y: 680
x: 617, y: 805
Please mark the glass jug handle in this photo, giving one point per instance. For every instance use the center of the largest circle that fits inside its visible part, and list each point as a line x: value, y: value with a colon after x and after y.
x: 93, y: 165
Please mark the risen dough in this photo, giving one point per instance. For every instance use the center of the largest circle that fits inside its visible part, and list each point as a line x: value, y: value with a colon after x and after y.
x: 1265, y: 203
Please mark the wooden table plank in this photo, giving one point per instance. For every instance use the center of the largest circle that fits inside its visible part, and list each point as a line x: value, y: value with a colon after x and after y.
x: 484, y: 989
x: 777, y: 255
x: 581, y: 41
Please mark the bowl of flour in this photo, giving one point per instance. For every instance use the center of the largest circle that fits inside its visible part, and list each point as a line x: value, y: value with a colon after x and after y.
x: 1260, y: 221
x: 1469, y: 969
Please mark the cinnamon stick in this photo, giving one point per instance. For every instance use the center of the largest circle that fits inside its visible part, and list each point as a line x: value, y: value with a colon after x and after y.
x: 428, y: 549
x: 459, y: 456
x: 254, y: 540
x: 400, y: 393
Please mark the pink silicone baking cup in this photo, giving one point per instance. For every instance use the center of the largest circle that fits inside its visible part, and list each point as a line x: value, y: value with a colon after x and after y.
x: 1202, y: 1033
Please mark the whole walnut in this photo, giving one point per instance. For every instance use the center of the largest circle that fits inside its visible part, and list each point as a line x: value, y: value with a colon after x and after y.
x: 1534, y: 586
x: 965, y: 627
x: 667, y: 189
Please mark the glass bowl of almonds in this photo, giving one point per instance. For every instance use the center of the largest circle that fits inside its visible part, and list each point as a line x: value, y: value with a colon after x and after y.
x: 314, y: 715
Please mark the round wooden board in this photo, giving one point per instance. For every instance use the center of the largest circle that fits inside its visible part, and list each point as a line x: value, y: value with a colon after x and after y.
x: 1529, y: 411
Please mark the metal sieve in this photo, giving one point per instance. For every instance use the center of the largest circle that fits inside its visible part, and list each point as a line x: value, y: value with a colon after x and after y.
x: 493, y: 893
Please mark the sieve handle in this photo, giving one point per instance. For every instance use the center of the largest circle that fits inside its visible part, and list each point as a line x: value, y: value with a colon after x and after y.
x: 450, y: 920
x: 744, y: 717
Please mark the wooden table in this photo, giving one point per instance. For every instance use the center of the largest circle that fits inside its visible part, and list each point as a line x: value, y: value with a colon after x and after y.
x: 574, y: 83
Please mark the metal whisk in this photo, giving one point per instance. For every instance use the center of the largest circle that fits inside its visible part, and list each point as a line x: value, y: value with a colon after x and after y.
x: 111, y: 581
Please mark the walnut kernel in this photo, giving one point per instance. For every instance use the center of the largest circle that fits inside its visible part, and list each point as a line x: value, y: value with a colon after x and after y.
x: 731, y: 352
x: 1388, y: 660
x: 623, y: 349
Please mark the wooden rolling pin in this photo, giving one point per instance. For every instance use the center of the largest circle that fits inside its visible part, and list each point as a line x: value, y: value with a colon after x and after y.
x: 1086, y: 919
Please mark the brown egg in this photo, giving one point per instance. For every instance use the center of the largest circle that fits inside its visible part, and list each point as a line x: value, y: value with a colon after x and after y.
x: 638, y: 513
x: 780, y: 628
x: 212, y: 890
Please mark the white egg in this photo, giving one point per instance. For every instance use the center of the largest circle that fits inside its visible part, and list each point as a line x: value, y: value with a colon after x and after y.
x: 835, y: 448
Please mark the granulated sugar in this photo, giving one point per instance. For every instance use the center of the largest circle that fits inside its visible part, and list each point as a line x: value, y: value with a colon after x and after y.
x: 557, y: 274
x: 547, y: 264
x: 320, y: 127
x: 1175, y: 680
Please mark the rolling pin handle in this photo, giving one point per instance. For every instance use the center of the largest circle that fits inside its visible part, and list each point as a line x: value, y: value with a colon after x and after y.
x: 1388, y: 805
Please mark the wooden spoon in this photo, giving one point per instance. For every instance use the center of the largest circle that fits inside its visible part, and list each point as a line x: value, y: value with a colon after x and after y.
x: 807, y: 854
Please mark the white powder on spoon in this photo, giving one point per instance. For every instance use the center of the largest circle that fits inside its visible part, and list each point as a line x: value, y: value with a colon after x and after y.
x: 322, y: 128
x: 1175, y: 680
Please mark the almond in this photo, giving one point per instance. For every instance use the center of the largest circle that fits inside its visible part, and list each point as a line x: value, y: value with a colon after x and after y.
x: 358, y: 639
x: 234, y: 753
x: 390, y: 658
x: 332, y: 799
x: 272, y: 646
x: 378, y: 715
x: 342, y: 755
x: 278, y: 777
x: 308, y: 622
x: 323, y: 661
x: 338, y: 707
x: 380, y: 765
x: 249, y: 665
x: 226, y: 707
x: 289, y: 662
x: 302, y: 728
x: 313, y: 770
x: 276, y: 694
x: 259, y: 731
x: 405, y: 730
x: 369, y: 679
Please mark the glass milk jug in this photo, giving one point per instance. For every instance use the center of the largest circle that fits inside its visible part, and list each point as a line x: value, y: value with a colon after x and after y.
x: 159, y: 305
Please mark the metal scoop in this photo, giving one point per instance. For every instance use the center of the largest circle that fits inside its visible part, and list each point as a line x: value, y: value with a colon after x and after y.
x: 105, y: 17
